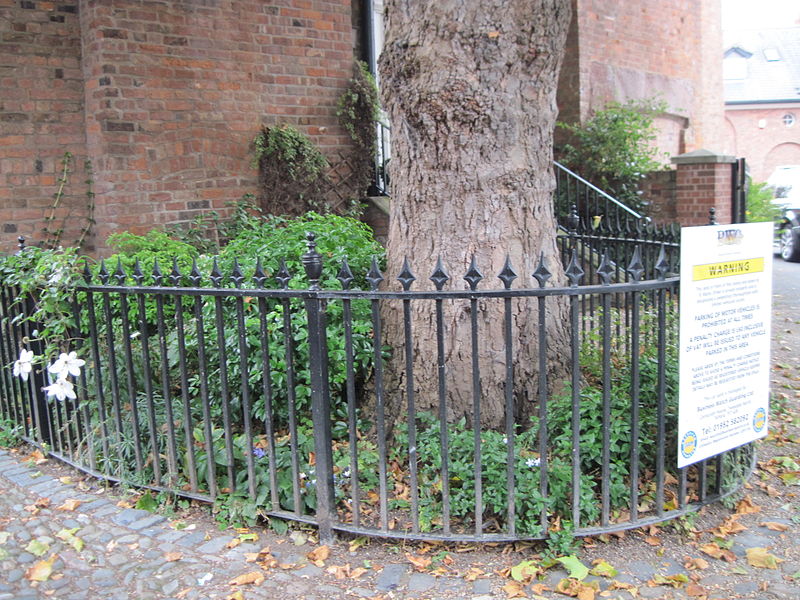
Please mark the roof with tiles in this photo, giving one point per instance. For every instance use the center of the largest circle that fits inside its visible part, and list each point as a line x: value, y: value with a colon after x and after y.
x: 762, y: 66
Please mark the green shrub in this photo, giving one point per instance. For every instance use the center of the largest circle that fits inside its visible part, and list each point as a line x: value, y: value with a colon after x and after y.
x: 760, y: 203
x: 614, y: 148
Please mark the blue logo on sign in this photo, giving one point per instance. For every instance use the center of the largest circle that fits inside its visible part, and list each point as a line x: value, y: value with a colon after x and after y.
x: 759, y: 419
x: 689, y: 444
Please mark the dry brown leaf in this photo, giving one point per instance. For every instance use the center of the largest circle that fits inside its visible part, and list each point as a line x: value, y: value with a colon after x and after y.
x: 42, y: 570
x: 172, y: 556
x: 319, y: 555
x: 695, y: 563
x: 746, y: 506
x: 714, y: 551
x: 358, y: 572
x: 65, y: 480
x: 696, y: 591
x: 759, y: 557
x: 420, y: 562
x: 514, y: 589
x: 237, y: 595
x: 652, y: 540
x: 772, y: 525
x: 70, y: 504
x: 253, y: 577
x: 340, y: 572
x: 539, y: 588
x: 182, y: 594
x: 473, y: 574
x: 233, y: 543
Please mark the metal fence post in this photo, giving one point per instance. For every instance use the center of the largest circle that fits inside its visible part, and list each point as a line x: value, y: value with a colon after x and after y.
x: 320, y: 393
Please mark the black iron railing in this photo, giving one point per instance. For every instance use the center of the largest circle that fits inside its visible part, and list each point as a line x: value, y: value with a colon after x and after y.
x: 273, y: 389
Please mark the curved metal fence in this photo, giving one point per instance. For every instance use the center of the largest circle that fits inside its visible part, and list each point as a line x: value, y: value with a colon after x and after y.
x: 274, y: 388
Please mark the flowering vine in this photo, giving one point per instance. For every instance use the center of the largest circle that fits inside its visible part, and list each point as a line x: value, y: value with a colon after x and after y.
x: 65, y: 366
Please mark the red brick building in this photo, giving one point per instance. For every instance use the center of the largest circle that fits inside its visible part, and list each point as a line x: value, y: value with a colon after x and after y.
x: 667, y: 49
x: 164, y: 100
x: 762, y: 98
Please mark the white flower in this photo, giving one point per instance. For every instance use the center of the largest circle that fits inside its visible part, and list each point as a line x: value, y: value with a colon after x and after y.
x: 67, y: 364
x: 61, y: 389
x: 23, y: 365
x: 532, y: 462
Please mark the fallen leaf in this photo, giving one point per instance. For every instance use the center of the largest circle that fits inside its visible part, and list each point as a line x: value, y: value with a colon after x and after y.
x: 695, y: 563
x: 319, y: 555
x: 340, y: 572
x: 37, y: 547
x: 68, y: 535
x: 746, y: 506
x: 65, y: 480
x: 713, y: 550
x: 696, y: 591
x: 172, y: 556
x: 576, y: 569
x: 42, y: 570
x: 253, y: 577
x: 578, y: 589
x: 358, y: 572
x: 237, y: 595
x: 676, y: 581
x: 652, y: 540
x: 759, y: 557
x: 525, y: 571
x: 420, y: 563
x: 514, y: 589
x: 299, y: 538
x: 473, y: 574
x: 772, y: 525
x: 233, y: 543
x: 603, y: 569
x: 70, y: 504
x: 357, y: 543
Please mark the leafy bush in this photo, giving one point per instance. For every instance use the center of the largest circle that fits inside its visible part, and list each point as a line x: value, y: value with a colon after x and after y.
x: 614, y: 148
x: 760, y: 203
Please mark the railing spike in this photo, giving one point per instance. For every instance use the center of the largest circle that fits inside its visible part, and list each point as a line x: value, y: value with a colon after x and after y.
x: 636, y: 267
x: 508, y: 274
x: 87, y: 274
x: 175, y: 276
x: 439, y: 276
x: 158, y: 276
x: 574, y: 272
x: 237, y: 277
x: 473, y: 275
x: 662, y: 264
x: 345, y: 275
x: 138, y: 275
x: 259, y: 276
x: 216, y: 274
x: 406, y: 277
x: 283, y: 277
x: 374, y: 276
x: 312, y: 261
x: 103, y: 272
x: 195, y: 277
x: 542, y: 273
x: 606, y: 268
x: 119, y: 274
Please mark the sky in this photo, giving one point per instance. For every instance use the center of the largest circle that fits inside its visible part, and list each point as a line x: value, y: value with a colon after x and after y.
x: 760, y: 14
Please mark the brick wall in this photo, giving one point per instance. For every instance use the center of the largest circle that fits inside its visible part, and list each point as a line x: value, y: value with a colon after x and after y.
x: 164, y: 98
x: 659, y: 189
x: 646, y: 48
x: 41, y: 118
x: 759, y: 134
x: 176, y: 91
x: 703, y: 181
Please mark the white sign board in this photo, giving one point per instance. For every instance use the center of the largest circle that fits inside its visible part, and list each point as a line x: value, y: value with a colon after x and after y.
x: 725, y: 311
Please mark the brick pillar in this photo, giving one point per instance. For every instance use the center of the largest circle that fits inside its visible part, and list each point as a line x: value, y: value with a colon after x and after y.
x: 703, y: 181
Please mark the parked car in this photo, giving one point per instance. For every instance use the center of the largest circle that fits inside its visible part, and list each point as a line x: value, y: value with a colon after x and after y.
x: 787, y: 233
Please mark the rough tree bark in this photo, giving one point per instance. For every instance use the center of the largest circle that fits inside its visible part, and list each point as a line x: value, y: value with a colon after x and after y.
x: 470, y: 88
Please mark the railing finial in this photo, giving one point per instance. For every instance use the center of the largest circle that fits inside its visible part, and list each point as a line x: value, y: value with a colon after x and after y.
x: 712, y: 216
x: 312, y: 261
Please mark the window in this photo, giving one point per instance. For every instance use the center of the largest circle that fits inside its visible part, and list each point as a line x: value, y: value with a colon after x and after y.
x: 788, y: 119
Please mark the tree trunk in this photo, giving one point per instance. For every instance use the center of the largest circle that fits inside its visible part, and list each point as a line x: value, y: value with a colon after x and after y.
x: 470, y: 89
